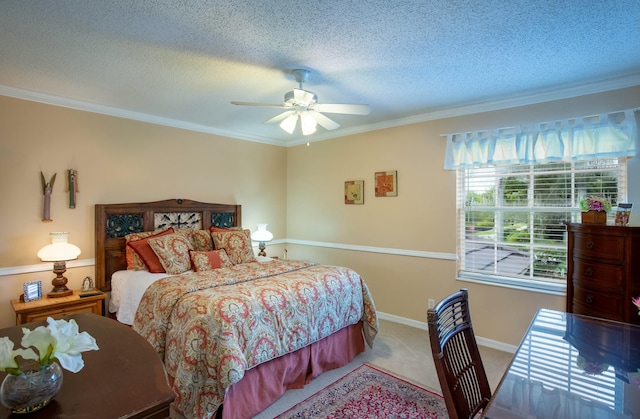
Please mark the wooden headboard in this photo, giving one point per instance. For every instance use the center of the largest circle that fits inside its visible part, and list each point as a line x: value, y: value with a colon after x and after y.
x: 114, y: 221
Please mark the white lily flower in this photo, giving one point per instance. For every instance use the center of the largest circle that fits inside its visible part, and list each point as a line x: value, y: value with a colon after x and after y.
x: 69, y: 343
x: 41, y: 339
x: 8, y: 356
x: 61, y: 340
x: 7, y: 359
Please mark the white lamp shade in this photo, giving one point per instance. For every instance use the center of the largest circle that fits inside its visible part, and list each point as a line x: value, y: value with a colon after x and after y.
x: 59, y: 249
x: 289, y: 124
x: 261, y: 234
x: 308, y: 123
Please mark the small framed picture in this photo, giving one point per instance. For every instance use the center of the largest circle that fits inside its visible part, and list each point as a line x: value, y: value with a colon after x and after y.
x: 387, y: 183
x: 354, y: 192
x: 87, y: 285
x: 622, y: 214
x: 32, y: 291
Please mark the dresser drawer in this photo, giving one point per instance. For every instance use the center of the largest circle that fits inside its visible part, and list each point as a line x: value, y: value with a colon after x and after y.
x: 597, y: 304
x: 598, y: 276
x: 598, y: 246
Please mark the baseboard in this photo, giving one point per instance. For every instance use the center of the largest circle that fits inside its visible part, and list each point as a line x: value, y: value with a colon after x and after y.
x: 489, y: 343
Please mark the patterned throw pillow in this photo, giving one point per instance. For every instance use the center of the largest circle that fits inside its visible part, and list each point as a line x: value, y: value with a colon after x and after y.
x: 200, y: 239
x: 134, y: 260
x: 223, y: 229
x: 173, y: 252
x: 236, y: 243
x: 207, y: 261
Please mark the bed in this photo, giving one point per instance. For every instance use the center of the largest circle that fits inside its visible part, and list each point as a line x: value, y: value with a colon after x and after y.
x: 236, y: 332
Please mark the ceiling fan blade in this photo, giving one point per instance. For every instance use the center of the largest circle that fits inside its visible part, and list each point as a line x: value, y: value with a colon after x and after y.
x: 233, y: 102
x: 279, y: 117
x: 343, y: 108
x: 324, y: 121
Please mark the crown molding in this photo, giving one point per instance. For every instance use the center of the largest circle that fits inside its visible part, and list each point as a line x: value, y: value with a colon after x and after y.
x: 522, y: 100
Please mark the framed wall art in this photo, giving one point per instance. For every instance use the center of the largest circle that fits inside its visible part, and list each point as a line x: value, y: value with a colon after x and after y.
x: 354, y: 192
x: 386, y: 183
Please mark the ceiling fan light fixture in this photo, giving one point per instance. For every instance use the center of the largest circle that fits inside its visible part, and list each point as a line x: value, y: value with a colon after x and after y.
x: 308, y: 123
x: 303, y: 103
x: 289, y: 124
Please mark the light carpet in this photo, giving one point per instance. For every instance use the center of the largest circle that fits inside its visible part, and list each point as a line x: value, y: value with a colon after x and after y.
x: 369, y: 392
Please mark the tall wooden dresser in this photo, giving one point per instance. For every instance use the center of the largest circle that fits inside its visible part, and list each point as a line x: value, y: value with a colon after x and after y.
x: 603, y: 271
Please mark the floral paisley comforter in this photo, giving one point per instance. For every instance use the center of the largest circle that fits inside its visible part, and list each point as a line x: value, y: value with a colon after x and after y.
x: 210, y: 327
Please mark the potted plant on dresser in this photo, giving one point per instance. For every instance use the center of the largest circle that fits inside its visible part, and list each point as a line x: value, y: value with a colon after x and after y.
x: 594, y: 209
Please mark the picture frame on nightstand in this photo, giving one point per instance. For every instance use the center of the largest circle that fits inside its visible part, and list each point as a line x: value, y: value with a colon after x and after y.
x: 32, y: 291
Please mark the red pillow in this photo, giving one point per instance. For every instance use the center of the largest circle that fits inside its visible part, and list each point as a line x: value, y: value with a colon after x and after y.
x: 206, y: 261
x: 146, y: 253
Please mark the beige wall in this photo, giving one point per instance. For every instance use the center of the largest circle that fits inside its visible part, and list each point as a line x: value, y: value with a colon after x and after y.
x: 421, y: 218
x: 297, y: 190
x: 118, y: 160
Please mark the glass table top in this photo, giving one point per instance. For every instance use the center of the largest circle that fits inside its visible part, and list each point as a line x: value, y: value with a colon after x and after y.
x: 570, y: 366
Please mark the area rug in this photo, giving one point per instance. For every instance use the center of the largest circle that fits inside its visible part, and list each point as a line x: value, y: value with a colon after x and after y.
x: 368, y: 392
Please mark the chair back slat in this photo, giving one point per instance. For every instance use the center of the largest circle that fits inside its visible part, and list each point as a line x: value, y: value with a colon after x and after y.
x: 456, y: 356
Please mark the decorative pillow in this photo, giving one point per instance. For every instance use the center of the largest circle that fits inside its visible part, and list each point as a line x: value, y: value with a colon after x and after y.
x: 200, y: 239
x: 223, y: 229
x: 134, y: 261
x: 236, y: 243
x: 207, y: 261
x: 173, y: 252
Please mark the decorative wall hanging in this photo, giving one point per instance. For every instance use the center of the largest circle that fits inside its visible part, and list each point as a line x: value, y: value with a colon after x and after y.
x: 72, y: 186
x: 387, y: 183
x: 354, y: 192
x: 46, y: 190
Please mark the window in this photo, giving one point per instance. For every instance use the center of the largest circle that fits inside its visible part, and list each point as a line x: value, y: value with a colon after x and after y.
x: 518, y: 186
x: 511, y: 218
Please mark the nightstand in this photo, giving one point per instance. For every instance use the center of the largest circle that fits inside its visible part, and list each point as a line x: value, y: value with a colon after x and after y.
x: 33, y: 311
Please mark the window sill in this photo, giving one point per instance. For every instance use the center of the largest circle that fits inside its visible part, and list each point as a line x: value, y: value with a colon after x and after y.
x: 518, y: 284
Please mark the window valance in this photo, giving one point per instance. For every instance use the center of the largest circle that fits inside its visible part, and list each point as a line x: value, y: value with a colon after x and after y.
x: 598, y: 136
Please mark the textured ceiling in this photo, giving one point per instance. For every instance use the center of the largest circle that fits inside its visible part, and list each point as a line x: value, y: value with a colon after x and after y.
x: 182, y: 62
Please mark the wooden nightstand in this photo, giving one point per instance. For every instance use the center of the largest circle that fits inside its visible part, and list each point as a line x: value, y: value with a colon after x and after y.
x: 57, y: 307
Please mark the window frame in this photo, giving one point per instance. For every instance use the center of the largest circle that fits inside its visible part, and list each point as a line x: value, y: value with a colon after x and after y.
x: 536, y: 284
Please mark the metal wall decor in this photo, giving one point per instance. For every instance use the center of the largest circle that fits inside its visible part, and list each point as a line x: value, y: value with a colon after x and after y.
x: 47, y: 188
x: 72, y: 186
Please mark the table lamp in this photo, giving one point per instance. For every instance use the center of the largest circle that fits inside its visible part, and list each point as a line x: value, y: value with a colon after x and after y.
x: 59, y: 252
x: 261, y: 236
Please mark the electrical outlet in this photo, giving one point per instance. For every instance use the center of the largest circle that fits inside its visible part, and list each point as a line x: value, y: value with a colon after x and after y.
x: 432, y: 303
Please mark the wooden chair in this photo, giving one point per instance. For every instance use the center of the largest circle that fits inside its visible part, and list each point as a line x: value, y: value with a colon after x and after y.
x: 460, y: 370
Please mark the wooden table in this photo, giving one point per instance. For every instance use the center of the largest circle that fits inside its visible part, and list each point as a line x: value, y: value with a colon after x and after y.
x: 123, y: 379
x: 570, y: 366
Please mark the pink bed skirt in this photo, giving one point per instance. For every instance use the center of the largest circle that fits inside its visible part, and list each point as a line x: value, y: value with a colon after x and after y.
x: 266, y: 383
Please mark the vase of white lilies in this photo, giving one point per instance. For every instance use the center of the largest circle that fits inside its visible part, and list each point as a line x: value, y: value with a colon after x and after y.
x: 34, y: 376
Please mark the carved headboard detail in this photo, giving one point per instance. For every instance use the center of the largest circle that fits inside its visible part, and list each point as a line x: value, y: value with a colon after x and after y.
x: 114, y: 221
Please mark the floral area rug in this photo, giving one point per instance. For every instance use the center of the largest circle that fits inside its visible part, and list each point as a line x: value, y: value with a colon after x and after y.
x: 368, y: 392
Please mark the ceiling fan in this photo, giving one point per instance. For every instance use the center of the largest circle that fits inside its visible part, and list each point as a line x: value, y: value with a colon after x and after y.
x: 303, y: 104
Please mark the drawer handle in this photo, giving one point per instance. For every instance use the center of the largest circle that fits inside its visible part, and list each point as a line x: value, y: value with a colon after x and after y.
x: 589, y: 299
x: 588, y: 272
x: 590, y: 245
